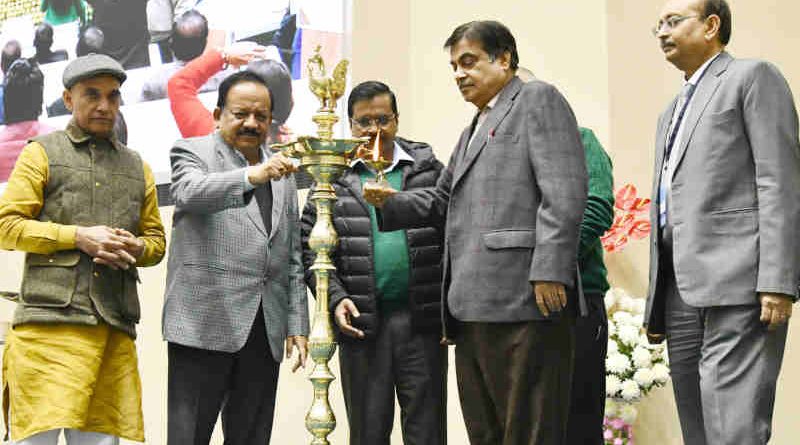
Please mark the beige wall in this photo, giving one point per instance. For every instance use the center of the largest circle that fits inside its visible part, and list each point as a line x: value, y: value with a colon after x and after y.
x: 407, y: 54
x: 601, y: 56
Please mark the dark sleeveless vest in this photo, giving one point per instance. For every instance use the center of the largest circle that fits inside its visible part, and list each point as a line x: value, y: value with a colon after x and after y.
x: 91, y: 182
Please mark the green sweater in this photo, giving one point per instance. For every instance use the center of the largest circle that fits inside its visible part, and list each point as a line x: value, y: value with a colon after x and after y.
x: 389, y: 253
x: 75, y: 12
x: 597, y: 217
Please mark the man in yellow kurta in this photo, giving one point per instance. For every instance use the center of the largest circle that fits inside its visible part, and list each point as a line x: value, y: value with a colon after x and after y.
x: 83, y: 206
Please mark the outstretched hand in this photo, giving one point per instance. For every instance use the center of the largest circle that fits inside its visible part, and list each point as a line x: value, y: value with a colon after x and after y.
x: 275, y: 168
x: 377, y: 193
x: 241, y: 53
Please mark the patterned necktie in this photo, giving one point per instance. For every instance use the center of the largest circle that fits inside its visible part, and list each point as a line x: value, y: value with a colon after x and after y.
x: 683, y: 103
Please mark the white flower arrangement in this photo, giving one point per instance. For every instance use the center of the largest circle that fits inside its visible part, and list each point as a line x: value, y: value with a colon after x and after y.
x: 630, y: 390
x: 633, y: 365
x: 612, y: 348
x: 644, y: 377
x: 618, y: 364
x: 642, y: 358
x: 660, y: 373
x: 629, y: 333
x: 613, y: 384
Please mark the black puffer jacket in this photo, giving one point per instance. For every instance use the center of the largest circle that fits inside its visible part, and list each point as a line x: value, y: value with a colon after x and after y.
x: 354, y: 277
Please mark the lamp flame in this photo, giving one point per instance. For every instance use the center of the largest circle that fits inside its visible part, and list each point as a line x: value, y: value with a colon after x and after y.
x: 376, y: 149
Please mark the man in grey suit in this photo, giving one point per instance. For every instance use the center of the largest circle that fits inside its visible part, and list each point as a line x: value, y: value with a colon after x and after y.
x: 513, y: 196
x: 724, y: 260
x: 235, y: 290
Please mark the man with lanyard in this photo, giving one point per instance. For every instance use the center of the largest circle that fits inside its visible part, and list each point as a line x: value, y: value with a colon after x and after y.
x: 724, y: 261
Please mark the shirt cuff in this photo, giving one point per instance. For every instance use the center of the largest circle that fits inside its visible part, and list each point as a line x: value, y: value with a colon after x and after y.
x: 248, y: 186
x: 66, y: 237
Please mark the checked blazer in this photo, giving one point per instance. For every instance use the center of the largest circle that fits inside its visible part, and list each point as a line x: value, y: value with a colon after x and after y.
x: 222, y: 262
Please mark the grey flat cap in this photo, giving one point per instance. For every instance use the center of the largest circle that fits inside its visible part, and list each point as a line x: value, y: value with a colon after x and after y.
x: 90, y: 66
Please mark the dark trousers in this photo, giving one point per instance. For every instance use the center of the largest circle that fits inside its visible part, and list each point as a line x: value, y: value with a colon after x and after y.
x: 724, y: 365
x: 588, y: 395
x: 396, y: 359
x: 241, y: 384
x: 514, y: 380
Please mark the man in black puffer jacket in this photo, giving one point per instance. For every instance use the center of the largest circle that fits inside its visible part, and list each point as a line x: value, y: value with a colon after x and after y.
x: 385, y: 293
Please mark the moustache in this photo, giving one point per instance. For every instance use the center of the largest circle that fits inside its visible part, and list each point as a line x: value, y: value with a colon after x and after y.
x: 248, y: 132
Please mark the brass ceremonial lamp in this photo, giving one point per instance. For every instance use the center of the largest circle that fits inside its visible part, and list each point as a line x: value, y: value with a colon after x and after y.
x: 325, y: 159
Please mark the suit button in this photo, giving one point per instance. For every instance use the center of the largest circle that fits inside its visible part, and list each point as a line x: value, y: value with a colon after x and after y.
x: 96, y: 274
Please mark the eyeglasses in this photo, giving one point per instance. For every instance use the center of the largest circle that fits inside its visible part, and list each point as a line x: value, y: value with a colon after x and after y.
x: 670, y: 23
x: 380, y: 121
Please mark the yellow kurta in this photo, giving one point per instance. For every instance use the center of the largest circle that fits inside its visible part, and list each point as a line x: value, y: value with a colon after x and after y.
x: 72, y: 376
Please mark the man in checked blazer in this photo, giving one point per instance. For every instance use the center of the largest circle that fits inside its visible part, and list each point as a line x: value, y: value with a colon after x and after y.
x: 235, y: 292
x: 513, y: 196
x: 724, y: 258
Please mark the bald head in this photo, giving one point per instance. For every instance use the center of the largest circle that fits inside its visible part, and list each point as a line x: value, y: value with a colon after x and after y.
x: 189, y: 35
x: 90, y: 41
x: 11, y: 52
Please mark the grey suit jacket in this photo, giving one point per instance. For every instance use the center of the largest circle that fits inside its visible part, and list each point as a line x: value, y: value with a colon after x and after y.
x: 735, y: 200
x: 513, y: 202
x: 222, y: 263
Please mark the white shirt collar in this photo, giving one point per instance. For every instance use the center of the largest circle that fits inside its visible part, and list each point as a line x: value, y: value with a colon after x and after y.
x: 699, y: 73
x: 398, y: 155
x: 483, y: 115
x: 492, y: 102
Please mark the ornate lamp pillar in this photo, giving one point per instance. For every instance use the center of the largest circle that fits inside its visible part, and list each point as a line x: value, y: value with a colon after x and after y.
x: 325, y: 159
